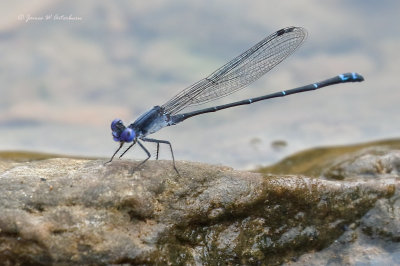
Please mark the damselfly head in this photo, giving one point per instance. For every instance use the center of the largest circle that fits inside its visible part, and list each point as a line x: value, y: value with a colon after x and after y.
x: 121, y: 133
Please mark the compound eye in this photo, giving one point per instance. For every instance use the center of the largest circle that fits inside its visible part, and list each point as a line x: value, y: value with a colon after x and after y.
x: 115, y: 136
x: 127, y: 135
x: 114, y: 124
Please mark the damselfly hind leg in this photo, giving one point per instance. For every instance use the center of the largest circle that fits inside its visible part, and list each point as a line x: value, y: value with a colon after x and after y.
x: 170, y: 147
x: 158, y: 150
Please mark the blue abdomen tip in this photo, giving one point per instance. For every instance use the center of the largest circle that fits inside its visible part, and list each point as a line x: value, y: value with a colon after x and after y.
x: 353, y: 76
x: 357, y: 77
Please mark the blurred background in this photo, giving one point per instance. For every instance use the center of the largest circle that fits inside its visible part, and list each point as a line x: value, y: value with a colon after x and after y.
x: 68, y: 68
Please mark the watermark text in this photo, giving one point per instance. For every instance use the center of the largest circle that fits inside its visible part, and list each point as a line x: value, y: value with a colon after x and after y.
x: 49, y: 17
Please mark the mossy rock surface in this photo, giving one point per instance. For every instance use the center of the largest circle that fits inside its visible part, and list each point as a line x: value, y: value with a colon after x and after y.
x: 57, y: 211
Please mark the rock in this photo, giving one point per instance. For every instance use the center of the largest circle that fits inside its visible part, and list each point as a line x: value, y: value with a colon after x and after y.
x: 375, y: 238
x: 370, y: 163
x: 314, y: 162
x: 75, y: 211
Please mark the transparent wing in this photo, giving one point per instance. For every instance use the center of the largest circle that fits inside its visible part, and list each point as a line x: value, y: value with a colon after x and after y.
x: 241, y: 71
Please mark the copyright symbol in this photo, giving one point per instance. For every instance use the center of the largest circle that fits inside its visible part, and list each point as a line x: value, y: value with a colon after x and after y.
x: 21, y: 17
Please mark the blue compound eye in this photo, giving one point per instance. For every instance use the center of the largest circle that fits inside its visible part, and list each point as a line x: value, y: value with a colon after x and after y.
x: 115, y: 136
x: 127, y: 135
x: 115, y: 123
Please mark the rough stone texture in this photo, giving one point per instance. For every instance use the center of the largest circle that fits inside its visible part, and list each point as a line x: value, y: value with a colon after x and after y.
x: 314, y: 162
x: 65, y: 211
x: 375, y: 238
x: 371, y: 163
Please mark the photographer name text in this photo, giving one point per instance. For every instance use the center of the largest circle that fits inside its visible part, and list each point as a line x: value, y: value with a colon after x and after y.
x: 49, y: 17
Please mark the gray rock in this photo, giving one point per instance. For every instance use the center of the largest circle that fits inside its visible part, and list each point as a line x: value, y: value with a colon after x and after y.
x: 370, y: 163
x: 375, y: 238
x: 69, y: 211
